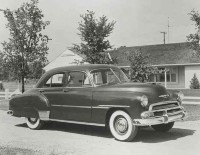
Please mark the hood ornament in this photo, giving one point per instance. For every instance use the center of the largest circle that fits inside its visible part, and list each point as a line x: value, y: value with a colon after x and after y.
x: 164, y: 96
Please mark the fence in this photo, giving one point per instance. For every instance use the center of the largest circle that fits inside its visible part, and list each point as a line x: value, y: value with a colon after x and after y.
x: 7, y: 94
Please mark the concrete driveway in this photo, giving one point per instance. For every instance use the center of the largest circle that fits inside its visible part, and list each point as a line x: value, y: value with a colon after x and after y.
x: 70, y: 139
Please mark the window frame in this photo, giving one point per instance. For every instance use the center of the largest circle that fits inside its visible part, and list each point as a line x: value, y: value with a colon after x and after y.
x: 83, y: 86
x: 168, y: 73
x: 111, y: 69
x: 50, y: 77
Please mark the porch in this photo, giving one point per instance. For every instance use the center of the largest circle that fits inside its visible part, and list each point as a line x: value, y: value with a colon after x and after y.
x: 168, y: 76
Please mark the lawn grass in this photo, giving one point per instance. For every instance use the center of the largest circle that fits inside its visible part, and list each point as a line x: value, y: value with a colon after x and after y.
x: 188, y: 92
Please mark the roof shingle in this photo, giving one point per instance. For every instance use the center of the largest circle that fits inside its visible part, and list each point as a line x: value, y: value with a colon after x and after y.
x: 176, y: 53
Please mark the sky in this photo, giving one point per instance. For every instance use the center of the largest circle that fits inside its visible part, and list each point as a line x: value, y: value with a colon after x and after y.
x: 138, y: 22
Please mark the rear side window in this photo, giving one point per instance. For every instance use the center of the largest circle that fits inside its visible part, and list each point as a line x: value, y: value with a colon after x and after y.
x: 55, y: 81
x: 77, y: 79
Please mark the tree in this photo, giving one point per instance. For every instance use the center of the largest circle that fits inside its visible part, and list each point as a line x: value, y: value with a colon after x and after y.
x: 93, y: 33
x: 141, y: 70
x: 194, y: 39
x: 4, y: 74
x: 194, y: 83
x: 26, y: 43
x: 36, y: 69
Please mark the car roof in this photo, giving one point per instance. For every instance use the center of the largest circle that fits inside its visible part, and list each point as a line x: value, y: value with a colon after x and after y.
x: 87, y: 67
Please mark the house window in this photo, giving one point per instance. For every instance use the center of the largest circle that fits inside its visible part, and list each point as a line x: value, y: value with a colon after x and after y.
x: 172, y: 75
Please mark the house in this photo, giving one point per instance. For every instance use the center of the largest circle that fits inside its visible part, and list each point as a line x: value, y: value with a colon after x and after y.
x: 177, y: 62
x: 66, y: 58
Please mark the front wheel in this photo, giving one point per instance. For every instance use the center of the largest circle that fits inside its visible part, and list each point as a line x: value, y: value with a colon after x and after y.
x: 121, y: 126
x: 34, y: 123
x: 163, y: 127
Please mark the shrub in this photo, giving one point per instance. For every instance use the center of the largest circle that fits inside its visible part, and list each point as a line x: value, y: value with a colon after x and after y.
x: 194, y: 83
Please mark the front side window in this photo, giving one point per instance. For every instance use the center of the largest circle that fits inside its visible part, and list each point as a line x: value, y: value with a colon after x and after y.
x: 77, y: 79
x: 108, y: 76
x: 55, y: 80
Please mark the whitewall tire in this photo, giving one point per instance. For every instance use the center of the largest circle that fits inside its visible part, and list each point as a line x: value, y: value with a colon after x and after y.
x: 121, y: 126
x: 34, y: 123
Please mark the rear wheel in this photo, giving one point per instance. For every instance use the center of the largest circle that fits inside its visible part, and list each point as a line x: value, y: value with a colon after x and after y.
x: 121, y: 126
x: 34, y: 123
x: 163, y: 127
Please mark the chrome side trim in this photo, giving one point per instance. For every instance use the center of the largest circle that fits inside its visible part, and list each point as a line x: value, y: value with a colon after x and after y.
x: 76, y: 122
x: 95, y: 107
x: 44, y: 115
x: 71, y: 106
x: 116, y: 106
x: 99, y: 107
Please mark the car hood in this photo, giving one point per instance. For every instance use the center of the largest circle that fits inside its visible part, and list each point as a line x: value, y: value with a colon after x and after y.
x: 154, y: 92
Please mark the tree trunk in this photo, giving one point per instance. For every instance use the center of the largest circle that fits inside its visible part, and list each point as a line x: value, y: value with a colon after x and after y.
x: 23, y: 84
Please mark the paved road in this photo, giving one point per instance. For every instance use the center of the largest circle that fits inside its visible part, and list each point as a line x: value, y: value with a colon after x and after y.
x: 69, y: 139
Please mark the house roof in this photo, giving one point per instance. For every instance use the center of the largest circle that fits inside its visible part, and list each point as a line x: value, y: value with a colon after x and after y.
x: 159, y: 55
x: 67, y: 58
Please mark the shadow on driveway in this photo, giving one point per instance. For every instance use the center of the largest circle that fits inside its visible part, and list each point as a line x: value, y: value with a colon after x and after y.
x: 149, y: 135
x: 146, y: 135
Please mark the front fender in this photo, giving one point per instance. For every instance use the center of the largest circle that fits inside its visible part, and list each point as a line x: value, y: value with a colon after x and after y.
x: 105, y: 102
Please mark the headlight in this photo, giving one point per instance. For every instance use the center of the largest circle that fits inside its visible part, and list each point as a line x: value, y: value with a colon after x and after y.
x: 180, y: 96
x: 144, y: 100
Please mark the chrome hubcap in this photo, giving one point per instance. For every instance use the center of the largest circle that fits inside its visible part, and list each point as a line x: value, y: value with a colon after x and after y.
x: 32, y: 120
x: 121, y: 125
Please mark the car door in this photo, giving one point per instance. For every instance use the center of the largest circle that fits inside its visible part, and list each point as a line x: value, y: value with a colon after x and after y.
x: 53, y: 91
x: 78, y: 97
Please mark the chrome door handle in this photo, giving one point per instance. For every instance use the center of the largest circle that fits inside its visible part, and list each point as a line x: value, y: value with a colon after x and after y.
x: 41, y: 91
x: 65, y: 90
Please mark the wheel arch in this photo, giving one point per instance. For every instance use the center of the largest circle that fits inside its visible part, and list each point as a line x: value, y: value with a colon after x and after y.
x: 111, y: 111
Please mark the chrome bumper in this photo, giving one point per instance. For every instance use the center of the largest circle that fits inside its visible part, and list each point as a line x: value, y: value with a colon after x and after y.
x: 164, y: 119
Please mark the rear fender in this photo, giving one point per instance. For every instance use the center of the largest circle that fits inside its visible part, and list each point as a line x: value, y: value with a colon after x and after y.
x: 30, y: 105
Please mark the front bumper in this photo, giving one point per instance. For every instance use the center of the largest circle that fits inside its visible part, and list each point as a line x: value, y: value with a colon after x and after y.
x: 180, y: 114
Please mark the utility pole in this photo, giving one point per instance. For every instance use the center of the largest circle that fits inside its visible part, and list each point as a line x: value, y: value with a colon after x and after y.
x: 164, y: 33
x: 168, y: 29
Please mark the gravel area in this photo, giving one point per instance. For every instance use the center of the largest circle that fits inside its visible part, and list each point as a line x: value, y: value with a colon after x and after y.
x: 70, y: 139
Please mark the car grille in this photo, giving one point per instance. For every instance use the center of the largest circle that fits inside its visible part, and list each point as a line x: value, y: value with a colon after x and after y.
x: 163, y: 108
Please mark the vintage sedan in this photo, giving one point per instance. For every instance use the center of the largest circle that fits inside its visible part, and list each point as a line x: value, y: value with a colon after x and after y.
x: 98, y: 95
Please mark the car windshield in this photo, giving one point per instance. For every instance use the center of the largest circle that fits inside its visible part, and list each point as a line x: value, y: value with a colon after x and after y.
x: 108, y: 76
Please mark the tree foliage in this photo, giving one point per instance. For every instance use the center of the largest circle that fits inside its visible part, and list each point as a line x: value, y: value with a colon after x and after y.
x: 93, y: 33
x: 4, y: 73
x: 26, y: 44
x: 141, y: 70
x: 36, y: 70
x: 194, y: 83
x: 194, y: 39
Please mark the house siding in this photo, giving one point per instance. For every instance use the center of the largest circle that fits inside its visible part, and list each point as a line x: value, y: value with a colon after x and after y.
x: 167, y: 55
x: 189, y: 73
x: 180, y: 79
